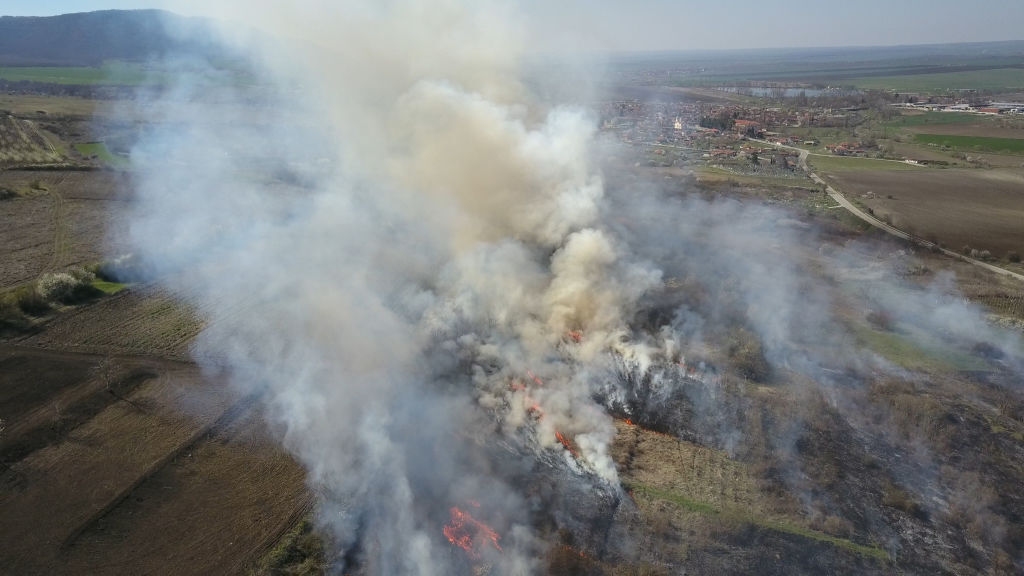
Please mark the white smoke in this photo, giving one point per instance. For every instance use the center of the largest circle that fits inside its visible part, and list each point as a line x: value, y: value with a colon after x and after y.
x: 402, y: 250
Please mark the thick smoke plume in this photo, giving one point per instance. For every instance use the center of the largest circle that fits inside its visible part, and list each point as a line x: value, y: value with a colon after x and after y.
x: 419, y: 266
x: 400, y: 249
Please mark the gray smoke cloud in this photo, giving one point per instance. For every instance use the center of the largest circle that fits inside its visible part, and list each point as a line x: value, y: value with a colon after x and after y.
x: 418, y: 264
x: 394, y: 244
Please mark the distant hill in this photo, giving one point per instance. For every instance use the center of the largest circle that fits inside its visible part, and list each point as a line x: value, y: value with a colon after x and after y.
x: 90, y: 38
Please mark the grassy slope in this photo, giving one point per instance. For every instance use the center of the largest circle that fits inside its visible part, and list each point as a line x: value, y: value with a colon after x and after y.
x: 100, y: 150
x: 981, y: 143
x: 996, y: 79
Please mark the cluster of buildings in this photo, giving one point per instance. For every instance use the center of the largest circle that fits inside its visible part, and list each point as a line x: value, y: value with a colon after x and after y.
x: 944, y: 105
x: 849, y: 149
x: 715, y: 128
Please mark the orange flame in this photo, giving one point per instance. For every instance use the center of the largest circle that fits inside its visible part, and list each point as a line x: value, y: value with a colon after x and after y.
x: 568, y: 548
x: 469, y: 533
x: 575, y: 335
x: 535, y: 379
x: 566, y: 444
x: 629, y: 422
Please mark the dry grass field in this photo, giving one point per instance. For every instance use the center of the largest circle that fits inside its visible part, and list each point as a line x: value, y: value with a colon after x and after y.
x: 22, y: 142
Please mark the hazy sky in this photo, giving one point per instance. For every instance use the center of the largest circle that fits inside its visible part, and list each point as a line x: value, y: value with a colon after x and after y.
x: 715, y: 24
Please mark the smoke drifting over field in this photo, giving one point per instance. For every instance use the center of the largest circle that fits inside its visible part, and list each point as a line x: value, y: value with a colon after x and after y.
x: 420, y: 266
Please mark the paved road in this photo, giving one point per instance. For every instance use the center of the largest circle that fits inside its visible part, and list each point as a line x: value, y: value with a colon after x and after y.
x: 838, y: 197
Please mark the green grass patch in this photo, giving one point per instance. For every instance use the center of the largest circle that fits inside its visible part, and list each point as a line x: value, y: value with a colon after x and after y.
x: 905, y: 351
x: 102, y: 153
x: 797, y: 530
x: 111, y: 73
x: 773, y: 524
x: 669, y: 496
x: 993, y: 79
x: 108, y: 287
x: 979, y: 143
x: 827, y: 163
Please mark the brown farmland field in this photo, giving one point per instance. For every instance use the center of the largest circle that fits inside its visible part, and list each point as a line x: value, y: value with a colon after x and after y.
x: 56, y: 220
x: 118, y: 454
x: 142, y: 321
x: 99, y: 465
x: 983, y: 209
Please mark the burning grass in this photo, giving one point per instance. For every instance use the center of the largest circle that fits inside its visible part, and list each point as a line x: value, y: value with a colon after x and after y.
x: 470, y: 534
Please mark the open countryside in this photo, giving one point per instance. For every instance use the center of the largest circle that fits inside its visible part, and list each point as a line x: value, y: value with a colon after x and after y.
x: 706, y: 312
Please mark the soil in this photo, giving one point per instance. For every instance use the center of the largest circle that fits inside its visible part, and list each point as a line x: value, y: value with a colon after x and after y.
x: 58, y: 220
x: 118, y: 453
x: 982, y: 209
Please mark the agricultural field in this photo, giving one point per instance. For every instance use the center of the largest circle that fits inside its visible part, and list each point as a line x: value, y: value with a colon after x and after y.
x: 830, y: 164
x: 104, y: 396
x: 982, y: 209
x: 56, y: 219
x: 973, y: 143
x: 117, y: 452
x: 117, y: 441
x: 138, y: 320
x: 999, y: 79
x: 930, y: 118
x: 113, y: 73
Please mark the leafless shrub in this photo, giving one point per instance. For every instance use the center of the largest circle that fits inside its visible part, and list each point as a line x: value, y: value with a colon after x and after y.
x: 65, y: 287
